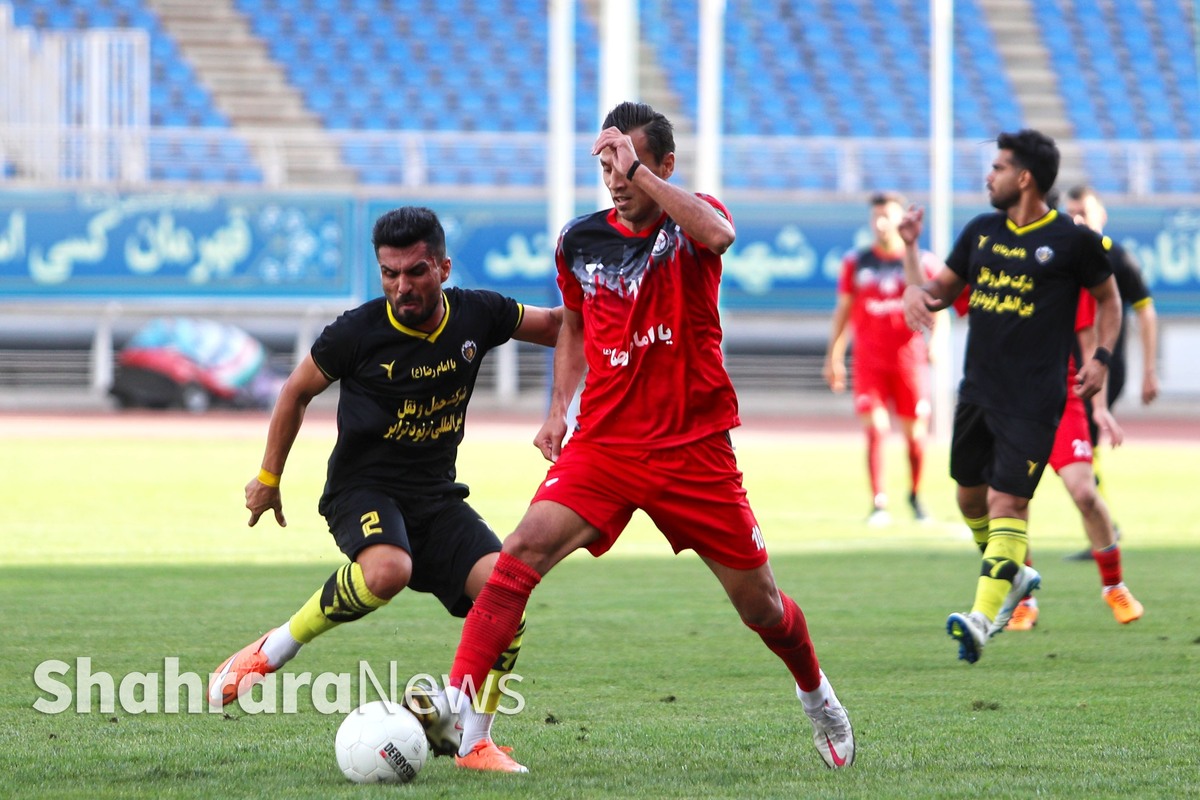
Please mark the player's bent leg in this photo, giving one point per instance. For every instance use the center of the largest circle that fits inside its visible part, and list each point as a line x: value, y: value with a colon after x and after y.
x: 780, y: 623
x: 344, y: 597
x: 386, y: 569
x: 548, y: 533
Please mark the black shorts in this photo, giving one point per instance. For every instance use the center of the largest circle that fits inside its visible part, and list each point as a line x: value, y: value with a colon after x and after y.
x: 444, y: 536
x: 1007, y: 453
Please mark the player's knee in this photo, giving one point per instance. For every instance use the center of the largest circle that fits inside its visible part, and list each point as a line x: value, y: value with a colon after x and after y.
x: 1087, y: 500
x: 386, y: 570
x: 759, y: 609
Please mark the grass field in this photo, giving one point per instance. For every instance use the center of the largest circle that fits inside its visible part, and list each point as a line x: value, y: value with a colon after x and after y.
x: 126, y: 542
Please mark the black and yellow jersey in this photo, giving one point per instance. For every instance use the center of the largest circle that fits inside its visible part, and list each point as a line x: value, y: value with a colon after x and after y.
x: 404, y: 393
x: 1024, y: 284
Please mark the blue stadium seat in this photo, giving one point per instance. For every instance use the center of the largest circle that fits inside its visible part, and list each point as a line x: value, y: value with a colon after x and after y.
x: 848, y: 68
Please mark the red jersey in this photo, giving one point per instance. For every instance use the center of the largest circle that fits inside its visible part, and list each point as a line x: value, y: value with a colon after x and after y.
x: 875, y: 281
x: 1085, y: 317
x: 652, y: 333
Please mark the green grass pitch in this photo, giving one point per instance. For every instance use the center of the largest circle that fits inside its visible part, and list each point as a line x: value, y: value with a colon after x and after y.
x: 639, y: 680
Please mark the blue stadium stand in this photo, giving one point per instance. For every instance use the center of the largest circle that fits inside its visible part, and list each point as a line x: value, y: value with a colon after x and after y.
x: 1129, y: 73
x: 850, y: 69
x: 423, y: 65
x: 828, y: 68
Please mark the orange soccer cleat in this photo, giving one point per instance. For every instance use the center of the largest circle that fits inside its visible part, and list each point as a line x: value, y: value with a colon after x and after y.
x: 487, y: 757
x: 1024, y: 617
x: 1124, y: 605
x: 238, y: 673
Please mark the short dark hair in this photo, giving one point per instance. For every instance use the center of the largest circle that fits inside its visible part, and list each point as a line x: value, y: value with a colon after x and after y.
x: 1034, y: 151
x: 660, y: 133
x: 407, y: 225
x: 885, y: 197
x: 1081, y: 191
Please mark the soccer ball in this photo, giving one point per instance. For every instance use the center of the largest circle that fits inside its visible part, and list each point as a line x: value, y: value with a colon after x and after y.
x: 381, y: 742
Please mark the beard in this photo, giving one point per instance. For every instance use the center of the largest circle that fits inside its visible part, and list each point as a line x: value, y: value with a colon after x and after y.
x: 412, y: 318
x: 1003, y: 202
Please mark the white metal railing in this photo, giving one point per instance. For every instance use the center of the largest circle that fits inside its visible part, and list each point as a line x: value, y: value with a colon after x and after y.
x: 95, y: 81
x: 140, y: 157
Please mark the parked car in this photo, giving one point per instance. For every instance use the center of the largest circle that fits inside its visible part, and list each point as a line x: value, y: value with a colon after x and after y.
x: 195, y: 364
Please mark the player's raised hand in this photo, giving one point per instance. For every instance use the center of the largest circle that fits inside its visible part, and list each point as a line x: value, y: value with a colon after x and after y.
x: 260, y: 497
x: 550, y: 437
x: 911, y: 224
x: 622, y: 146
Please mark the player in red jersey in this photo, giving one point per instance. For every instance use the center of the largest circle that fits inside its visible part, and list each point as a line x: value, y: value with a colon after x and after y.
x: 1084, y: 206
x: 890, y: 360
x: 639, y: 285
x: 1072, y: 458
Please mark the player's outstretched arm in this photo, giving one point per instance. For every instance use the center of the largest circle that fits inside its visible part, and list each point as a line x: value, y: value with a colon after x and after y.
x: 920, y: 302
x: 540, y: 325
x: 262, y: 492
x: 569, y: 367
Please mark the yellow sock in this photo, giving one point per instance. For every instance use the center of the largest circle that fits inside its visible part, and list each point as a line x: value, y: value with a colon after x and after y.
x: 1008, y: 542
x: 490, y: 696
x: 343, y: 598
x: 979, y: 530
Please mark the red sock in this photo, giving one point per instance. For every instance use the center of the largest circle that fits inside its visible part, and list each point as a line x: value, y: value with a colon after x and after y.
x: 916, y: 459
x: 875, y: 460
x: 492, y: 622
x: 1108, y: 561
x: 789, y: 640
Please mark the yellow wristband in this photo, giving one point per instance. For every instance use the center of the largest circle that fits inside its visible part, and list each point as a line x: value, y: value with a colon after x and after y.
x: 268, y: 478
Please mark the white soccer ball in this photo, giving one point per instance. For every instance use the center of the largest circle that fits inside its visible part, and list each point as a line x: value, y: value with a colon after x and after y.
x: 381, y: 742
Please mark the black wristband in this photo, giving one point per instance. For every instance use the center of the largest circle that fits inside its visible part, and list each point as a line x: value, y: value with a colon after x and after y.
x: 1103, y: 355
x: 632, y: 169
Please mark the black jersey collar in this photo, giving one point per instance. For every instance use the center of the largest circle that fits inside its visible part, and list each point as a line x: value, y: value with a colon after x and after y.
x: 433, y: 335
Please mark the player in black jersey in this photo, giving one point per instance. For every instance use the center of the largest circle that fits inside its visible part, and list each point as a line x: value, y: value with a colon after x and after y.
x: 1025, y: 266
x: 407, y: 363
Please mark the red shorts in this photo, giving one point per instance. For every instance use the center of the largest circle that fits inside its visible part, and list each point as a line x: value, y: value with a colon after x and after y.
x: 1073, y: 441
x: 693, y: 493
x: 904, y: 386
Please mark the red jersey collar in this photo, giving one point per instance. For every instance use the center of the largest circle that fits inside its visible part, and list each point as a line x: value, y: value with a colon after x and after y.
x: 615, y: 221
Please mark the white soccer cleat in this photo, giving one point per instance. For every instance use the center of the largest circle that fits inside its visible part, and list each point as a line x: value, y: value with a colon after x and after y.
x: 429, y: 704
x: 1027, y: 580
x: 832, y: 733
x: 971, y: 632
